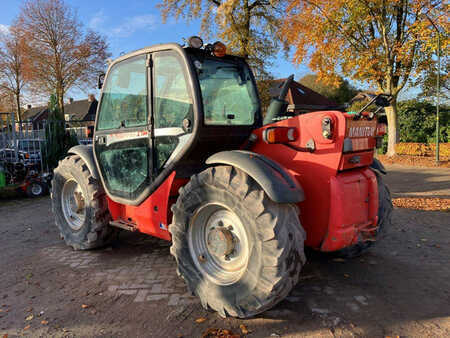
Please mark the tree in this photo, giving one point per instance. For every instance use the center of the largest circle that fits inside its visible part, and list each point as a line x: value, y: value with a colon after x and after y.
x: 249, y: 28
x: 15, y: 69
x: 58, y: 140
x: 342, y: 93
x: 63, y: 54
x: 384, y: 43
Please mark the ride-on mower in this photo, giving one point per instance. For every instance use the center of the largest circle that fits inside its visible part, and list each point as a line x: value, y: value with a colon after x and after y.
x: 181, y: 152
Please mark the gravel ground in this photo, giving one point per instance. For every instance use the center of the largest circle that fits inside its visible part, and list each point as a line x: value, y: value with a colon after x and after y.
x: 400, y: 288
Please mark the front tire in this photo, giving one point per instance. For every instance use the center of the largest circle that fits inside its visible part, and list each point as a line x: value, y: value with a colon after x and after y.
x: 79, y: 206
x: 238, y: 251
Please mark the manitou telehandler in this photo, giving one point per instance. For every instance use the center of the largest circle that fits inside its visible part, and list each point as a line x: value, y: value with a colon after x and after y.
x: 181, y: 152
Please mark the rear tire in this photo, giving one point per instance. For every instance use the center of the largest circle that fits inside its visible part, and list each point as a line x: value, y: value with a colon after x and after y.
x: 267, y: 259
x: 384, y: 221
x: 79, y: 205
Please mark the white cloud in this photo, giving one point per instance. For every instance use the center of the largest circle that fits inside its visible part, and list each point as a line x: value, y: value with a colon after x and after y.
x: 97, y: 21
x: 131, y: 25
x: 4, y: 29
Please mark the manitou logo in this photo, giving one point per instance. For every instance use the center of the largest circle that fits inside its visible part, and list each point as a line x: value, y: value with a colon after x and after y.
x: 361, y: 131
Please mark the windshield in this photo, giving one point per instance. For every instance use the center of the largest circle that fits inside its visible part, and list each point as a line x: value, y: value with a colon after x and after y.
x: 228, y: 92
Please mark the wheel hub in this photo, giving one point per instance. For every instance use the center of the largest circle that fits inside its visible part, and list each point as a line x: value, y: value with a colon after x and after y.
x: 73, y: 204
x: 220, y: 242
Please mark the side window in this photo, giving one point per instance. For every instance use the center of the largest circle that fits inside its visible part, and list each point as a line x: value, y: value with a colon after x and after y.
x: 172, y: 104
x: 124, y: 99
x: 172, y: 100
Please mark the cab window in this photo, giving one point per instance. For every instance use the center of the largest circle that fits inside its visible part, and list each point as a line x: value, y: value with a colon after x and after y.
x: 124, y: 99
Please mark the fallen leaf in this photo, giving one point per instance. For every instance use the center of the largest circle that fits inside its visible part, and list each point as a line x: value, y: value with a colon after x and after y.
x: 346, y: 275
x: 424, y: 239
x: 340, y: 260
x: 200, y: 320
x: 84, y: 306
x: 30, y: 317
x: 5, y: 335
x: 44, y: 322
x: 26, y: 327
x: 29, y: 309
x: 437, y: 245
x: 244, y: 329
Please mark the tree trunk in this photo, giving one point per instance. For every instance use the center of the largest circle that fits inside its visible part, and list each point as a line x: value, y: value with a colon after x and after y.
x: 60, y: 98
x: 19, y: 111
x: 392, y: 120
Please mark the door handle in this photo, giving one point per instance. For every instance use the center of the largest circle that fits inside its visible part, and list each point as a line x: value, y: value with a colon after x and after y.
x: 101, y: 139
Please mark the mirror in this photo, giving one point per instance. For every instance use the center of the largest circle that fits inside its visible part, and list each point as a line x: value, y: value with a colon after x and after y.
x: 100, y: 79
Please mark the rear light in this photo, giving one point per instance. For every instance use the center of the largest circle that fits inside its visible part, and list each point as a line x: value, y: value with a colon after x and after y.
x: 381, y: 129
x: 27, y: 156
x: 219, y: 49
x: 275, y: 135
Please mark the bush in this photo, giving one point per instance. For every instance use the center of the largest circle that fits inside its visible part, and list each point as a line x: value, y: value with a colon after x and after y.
x: 417, y: 122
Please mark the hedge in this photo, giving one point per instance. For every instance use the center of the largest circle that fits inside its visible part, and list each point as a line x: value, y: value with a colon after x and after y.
x: 422, y: 149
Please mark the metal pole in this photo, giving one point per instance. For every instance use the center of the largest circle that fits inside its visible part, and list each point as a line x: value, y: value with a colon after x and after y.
x: 438, y: 94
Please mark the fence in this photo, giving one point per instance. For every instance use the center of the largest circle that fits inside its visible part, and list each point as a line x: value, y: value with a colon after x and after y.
x: 31, y: 143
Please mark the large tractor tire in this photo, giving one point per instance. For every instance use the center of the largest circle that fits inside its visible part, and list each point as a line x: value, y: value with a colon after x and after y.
x: 79, y: 205
x: 384, y: 221
x: 238, y: 251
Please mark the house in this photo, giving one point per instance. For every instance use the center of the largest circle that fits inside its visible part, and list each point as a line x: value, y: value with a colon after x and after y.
x: 79, y: 113
x: 36, y: 116
x: 302, y: 99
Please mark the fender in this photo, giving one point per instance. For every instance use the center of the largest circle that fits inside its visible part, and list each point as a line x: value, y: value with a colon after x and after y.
x: 377, y: 165
x: 87, y: 155
x: 277, y: 182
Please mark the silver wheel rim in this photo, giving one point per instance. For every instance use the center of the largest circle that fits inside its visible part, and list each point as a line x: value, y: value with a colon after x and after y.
x: 36, y: 189
x: 218, y: 244
x: 73, y: 204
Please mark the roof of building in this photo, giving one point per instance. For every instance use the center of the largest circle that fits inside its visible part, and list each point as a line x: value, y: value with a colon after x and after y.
x: 78, y: 109
x: 302, y: 96
x: 33, y: 113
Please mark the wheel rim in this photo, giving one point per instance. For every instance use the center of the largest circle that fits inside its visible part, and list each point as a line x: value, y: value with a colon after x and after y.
x: 218, y: 244
x: 36, y: 189
x: 73, y: 204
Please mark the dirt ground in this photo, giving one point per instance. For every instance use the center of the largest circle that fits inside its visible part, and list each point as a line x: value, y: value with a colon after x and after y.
x: 400, y: 288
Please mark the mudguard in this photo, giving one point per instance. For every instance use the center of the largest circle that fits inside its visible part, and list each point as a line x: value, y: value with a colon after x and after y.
x: 377, y: 165
x: 87, y: 155
x: 277, y: 182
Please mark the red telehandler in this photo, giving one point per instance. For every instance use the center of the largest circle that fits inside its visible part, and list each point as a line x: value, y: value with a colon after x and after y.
x: 181, y: 152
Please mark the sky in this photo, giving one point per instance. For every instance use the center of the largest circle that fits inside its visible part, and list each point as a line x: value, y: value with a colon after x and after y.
x: 134, y: 24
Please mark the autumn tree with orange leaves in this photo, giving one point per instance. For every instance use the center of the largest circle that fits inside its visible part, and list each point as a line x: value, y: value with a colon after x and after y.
x: 250, y: 28
x: 15, y: 71
x: 384, y: 43
x: 63, y: 54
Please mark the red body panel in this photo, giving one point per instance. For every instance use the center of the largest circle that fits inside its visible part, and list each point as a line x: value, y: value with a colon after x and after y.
x: 341, y: 197
x: 338, y: 206
x: 151, y: 217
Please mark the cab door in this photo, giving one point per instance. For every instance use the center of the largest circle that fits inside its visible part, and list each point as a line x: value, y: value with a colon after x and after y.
x: 122, y: 142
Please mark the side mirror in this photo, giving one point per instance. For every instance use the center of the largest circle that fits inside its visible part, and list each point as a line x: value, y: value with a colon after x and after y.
x: 100, y: 80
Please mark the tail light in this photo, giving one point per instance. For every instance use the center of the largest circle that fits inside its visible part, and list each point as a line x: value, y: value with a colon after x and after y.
x: 280, y: 135
x: 381, y: 129
x: 27, y: 156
